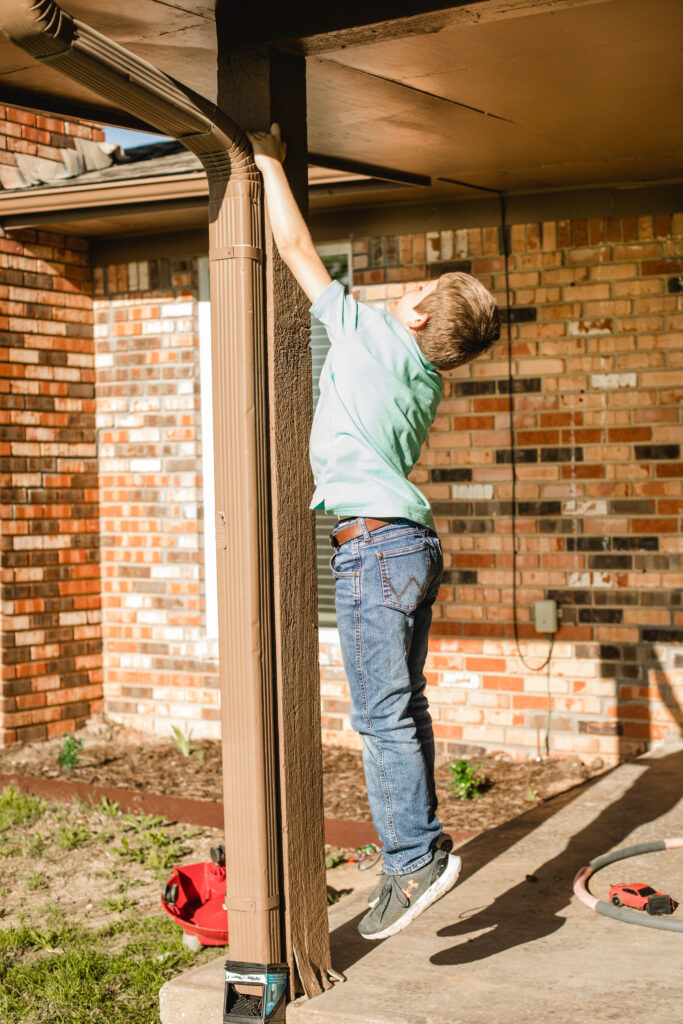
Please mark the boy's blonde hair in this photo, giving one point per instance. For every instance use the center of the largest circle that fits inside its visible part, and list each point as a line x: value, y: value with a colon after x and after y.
x: 463, y: 321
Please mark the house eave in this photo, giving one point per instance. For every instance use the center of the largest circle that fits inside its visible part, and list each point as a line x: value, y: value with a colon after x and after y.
x: 74, y: 203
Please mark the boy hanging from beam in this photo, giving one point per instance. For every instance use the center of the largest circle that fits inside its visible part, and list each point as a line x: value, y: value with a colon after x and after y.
x: 380, y: 389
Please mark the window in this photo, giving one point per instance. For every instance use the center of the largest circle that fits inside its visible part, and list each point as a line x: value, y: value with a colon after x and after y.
x: 337, y: 259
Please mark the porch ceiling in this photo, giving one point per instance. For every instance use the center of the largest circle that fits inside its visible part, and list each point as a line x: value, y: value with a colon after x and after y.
x: 520, y: 96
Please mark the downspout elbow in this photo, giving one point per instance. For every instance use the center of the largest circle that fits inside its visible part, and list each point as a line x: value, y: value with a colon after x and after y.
x: 51, y: 36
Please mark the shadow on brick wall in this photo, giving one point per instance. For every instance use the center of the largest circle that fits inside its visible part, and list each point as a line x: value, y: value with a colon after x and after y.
x: 641, y: 674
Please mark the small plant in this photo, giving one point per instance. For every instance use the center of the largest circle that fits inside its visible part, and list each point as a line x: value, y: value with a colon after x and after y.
x: 183, y: 744
x: 466, y: 783
x: 34, y: 846
x: 332, y: 860
x: 107, y: 808
x: 18, y: 809
x: 151, y: 846
x: 145, y: 823
x: 117, y: 904
x: 71, y: 836
x: 68, y: 755
x: 36, y: 881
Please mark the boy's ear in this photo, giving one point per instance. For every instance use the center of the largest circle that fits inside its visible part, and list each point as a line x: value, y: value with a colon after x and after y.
x: 417, y: 320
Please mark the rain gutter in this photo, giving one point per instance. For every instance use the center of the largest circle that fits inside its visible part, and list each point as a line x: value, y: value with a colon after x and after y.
x: 26, y: 208
x: 64, y: 197
x: 61, y: 42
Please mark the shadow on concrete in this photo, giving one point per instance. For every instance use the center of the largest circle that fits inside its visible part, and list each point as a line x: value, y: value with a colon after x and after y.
x: 347, y: 945
x: 530, y: 910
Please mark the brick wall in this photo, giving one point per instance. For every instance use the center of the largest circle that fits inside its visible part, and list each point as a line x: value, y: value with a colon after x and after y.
x: 160, y: 665
x: 51, y: 648
x: 597, y: 353
x: 596, y: 317
x: 50, y: 625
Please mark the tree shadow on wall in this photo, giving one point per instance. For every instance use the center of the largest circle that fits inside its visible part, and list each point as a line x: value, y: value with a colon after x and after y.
x: 641, y: 681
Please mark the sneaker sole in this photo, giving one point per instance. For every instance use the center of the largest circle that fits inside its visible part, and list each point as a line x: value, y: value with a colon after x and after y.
x: 444, y: 842
x: 431, y: 895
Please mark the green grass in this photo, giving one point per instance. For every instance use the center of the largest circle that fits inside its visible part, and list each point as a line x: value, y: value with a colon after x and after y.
x: 63, y: 973
x: 34, y: 846
x: 60, y: 966
x: 18, y: 809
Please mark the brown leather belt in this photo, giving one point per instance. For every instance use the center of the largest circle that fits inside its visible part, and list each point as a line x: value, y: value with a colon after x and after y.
x: 356, y: 530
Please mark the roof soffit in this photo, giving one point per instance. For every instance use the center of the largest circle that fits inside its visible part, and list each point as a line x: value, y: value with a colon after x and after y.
x: 508, y: 94
x: 180, y: 38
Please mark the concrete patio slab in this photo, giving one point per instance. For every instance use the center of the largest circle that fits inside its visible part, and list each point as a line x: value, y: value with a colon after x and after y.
x: 503, y: 948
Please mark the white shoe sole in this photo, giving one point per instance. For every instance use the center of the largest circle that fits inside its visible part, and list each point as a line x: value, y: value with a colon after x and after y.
x: 429, y: 896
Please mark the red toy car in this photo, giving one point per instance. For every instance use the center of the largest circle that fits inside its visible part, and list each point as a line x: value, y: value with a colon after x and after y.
x: 641, y: 897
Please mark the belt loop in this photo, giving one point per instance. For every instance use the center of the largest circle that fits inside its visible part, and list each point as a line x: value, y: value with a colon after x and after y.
x: 364, y: 527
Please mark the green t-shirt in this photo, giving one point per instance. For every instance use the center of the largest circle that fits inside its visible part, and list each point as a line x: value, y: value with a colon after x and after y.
x: 378, y: 399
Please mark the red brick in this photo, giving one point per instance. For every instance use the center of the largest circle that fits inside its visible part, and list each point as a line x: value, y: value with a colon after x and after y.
x: 654, y: 526
x: 579, y: 232
x: 40, y: 313
x: 506, y: 682
x: 663, y: 225
x: 650, y: 267
x: 564, y: 234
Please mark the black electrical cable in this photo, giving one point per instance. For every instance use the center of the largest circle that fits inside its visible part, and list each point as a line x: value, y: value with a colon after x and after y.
x: 513, y: 463
x: 511, y: 426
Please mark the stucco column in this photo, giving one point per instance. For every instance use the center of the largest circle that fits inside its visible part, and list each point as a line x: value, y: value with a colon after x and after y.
x: 259, y: 87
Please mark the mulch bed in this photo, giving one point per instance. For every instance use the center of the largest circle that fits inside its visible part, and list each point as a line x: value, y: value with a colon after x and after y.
x: 114, y: 757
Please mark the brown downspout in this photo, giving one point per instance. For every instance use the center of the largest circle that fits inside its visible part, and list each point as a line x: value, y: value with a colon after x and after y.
x: 55, y: 39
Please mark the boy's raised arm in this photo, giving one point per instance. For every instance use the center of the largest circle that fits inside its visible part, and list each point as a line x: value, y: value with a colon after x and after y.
x: 291, y: 234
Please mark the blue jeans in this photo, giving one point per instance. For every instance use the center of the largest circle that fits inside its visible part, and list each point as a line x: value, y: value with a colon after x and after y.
x: 386, y: 584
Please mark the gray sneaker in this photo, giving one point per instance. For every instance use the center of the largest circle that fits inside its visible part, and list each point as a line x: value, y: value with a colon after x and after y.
x: 404, y: 897
x: 444, y: 842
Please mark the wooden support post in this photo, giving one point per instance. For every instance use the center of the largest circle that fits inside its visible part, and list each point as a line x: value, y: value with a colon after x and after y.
x: 259, y: 87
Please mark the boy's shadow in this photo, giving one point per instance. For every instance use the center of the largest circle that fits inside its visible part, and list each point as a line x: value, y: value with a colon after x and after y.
x: 529, y: 910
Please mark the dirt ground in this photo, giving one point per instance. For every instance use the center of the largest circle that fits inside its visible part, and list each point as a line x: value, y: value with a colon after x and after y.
x: 112, y: 756
x: 74, y: 858
x: 95, y: 864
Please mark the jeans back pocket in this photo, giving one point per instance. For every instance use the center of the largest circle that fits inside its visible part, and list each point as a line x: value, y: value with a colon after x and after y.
x: 406, y: 575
